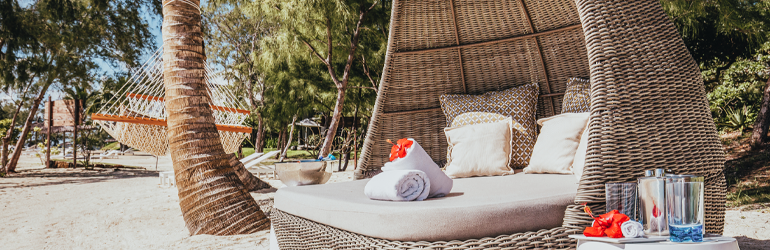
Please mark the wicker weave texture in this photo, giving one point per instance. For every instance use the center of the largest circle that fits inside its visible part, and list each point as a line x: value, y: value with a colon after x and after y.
x: 295, y: 232
x: 469, y: 47
x: 648, y: 100
x: 649, y: 107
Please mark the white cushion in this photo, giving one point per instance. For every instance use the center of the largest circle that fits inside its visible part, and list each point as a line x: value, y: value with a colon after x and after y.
x: 482, y: 149
x: 580, y: 155
x: 476, y: 207
x: 556, y: 145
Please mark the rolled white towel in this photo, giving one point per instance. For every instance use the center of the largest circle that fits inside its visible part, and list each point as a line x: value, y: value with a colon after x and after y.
x: 417, y: 159
x: 632, y: 229
x: 398, y: 185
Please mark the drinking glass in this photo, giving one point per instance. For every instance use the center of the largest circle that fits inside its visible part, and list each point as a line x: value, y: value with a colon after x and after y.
x: 621, y: 197
x: 685, y: 208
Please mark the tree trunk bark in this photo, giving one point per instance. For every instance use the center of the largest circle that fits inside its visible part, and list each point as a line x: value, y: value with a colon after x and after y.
x: 279, y: 144
x: 288, y: 142
x: 11, y: 165
x: 258, y: 145
x: 251, y: 182
x: 9, y: 134
x: 345, y: 159
x: 331, y: 133
x: 212, y: 197
x: 759, y: 135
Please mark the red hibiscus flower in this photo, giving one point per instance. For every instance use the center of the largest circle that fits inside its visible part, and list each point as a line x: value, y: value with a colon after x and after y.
x: 605, y: 224
x: 399, y: 149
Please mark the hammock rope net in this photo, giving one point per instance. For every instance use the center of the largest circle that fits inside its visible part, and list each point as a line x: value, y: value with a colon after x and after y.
x: 136, y: 114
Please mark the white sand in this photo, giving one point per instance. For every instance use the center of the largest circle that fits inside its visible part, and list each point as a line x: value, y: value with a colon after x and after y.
x: 127, y: 209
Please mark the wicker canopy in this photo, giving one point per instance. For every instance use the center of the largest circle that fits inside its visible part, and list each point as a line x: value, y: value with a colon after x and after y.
x: 648, y: 107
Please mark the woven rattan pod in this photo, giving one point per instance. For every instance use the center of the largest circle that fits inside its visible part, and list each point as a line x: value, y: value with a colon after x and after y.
x: 648, y: 107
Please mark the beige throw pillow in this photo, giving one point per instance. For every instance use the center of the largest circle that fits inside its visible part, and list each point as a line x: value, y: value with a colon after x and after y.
x: 482, y: 149
x: 518, y: 151
x: 580, y: 155
x: 556, y: 145
x: 519, y: 102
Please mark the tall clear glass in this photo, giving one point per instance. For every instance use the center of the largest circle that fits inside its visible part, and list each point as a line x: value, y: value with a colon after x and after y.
x: 685, y: 208
x: 621, y: 197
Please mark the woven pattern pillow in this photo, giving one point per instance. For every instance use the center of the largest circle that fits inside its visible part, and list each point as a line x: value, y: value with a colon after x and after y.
x: 577, y: 97
x: 516, y: 128
x: 519, y: 103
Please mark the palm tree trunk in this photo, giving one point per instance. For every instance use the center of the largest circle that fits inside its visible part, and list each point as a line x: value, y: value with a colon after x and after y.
x: 212, y: 197
x: 251, y: 182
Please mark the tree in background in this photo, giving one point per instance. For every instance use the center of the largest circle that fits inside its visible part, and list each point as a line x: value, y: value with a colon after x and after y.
x: 728, y: 40
x: 329, y: 31
x: 85, y: 31
x: 233, y: 34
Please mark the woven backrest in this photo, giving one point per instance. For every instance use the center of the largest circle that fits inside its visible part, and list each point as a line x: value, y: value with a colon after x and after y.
x: 648, y: 107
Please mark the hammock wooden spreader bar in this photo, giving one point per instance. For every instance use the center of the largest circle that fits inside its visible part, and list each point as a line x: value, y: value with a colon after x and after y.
x: 160, y: 122
x: 214, y: 107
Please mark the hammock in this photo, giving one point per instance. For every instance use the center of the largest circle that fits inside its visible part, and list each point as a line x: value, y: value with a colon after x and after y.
x: 136, y: 114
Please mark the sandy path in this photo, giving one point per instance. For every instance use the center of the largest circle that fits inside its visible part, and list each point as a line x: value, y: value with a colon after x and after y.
x: 65, y: 209
x: 127, y: 209
x: 751, y: 228
x: 99, y: 209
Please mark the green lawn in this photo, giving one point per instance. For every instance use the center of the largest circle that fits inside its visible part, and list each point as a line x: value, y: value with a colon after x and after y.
x: 112, y: 146
x: 292, y: 154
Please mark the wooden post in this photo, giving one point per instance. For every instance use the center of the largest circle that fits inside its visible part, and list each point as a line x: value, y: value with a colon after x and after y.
x: 75, y: 135
x: 49, y: 131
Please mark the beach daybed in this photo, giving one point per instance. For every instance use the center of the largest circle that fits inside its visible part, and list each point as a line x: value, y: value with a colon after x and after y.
x: 647, y: 110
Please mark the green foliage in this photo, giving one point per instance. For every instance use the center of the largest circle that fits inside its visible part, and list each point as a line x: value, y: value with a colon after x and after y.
x: 737, y: 97
x: 739, y: 119
x: 271, y: 143
x: 720, y: 30
x: 260, y: 47
x: 728, y: 40
x: 4, y: 126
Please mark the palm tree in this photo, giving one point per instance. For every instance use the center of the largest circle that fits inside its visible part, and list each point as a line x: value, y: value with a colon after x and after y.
x: 212, y: 198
